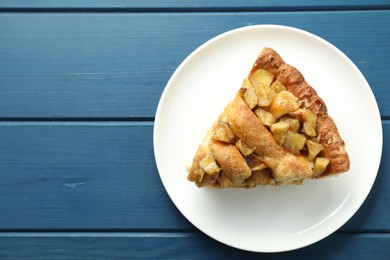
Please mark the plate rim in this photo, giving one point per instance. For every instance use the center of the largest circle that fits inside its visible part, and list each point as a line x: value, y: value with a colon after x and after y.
x: 255, y: 27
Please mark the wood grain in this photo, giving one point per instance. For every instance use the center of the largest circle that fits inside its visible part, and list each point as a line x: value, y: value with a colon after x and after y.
x: 84, y: 176
x: 103, y: 176
x: 176, y: 245
x: 79, y: 86
x: 107, y: 65
x: 195, y: 5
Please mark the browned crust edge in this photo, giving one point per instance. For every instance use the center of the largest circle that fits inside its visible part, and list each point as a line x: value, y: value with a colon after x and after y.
x: 294, y: 81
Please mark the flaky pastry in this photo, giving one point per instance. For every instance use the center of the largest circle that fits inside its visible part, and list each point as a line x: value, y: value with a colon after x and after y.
x: 275, y: 131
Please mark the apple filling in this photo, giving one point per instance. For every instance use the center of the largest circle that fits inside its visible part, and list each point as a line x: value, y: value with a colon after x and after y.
x: 292, y: 126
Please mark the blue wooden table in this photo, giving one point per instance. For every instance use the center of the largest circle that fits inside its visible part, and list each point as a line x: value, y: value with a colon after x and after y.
x: 79, y: 87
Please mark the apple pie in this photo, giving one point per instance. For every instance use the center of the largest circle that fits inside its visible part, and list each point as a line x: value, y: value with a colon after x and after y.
x: 276, y: 131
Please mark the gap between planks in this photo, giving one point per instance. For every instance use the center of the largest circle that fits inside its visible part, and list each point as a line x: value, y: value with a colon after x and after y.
x: 189, y: 9
x: 144, y: 121
x: 97, y: 234
x: 138, y: 234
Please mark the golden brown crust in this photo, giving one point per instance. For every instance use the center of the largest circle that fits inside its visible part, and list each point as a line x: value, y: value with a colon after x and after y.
x: 292, y: 78
x: 263, y: 177
x: 334, y: 146
x: 294, y: 81
x: 231, y: 161
x: 245, y: 151
x: 196, y: 174
x: 247, y: 126
x: 268, y: 60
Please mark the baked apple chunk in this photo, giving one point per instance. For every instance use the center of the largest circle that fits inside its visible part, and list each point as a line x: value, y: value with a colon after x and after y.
x: 276, y: 131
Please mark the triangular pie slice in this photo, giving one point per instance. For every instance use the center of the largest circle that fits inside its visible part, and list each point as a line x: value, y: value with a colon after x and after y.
x: 276, y: 131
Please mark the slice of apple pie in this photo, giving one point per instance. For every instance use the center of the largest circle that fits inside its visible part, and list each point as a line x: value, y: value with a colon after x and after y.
x: 276, y: 131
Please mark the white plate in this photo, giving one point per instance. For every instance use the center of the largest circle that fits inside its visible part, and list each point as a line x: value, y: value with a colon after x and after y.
x: 266, y: 219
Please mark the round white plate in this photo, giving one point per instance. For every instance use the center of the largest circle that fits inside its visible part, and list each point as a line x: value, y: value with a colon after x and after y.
x: 266, y: 219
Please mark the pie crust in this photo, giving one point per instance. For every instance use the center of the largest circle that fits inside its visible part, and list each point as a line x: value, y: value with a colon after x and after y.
x: 243, y: 148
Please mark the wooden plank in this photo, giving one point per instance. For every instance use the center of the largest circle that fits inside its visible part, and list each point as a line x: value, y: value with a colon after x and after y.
x: 178, y: 246
x: 103, y: 176
x: 176, y: 4
x: 92, y: 175
x: 50, y: 63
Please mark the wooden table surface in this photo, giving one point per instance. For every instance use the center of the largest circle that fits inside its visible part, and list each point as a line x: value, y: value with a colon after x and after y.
x: 79, y: 87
